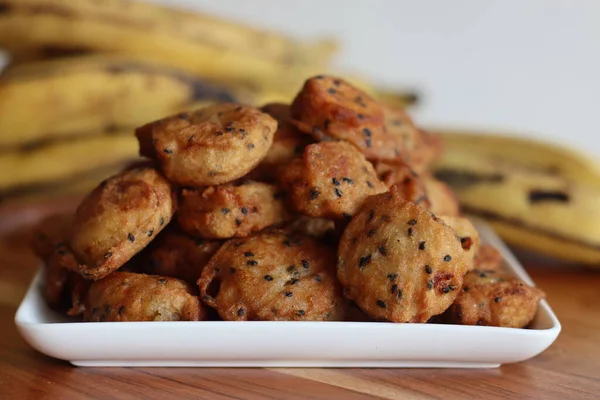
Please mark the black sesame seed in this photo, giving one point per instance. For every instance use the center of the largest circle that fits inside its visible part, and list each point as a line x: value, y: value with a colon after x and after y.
x: 268, y: 278
x: 445, y: 289
x: 225, y: 210
x: 305, y: 264
x: 108, y: 254
x: 300, y: 312
x: 249, y: 254
x: 410, y: 231
x: 482, y: 275
x: 294, y: 281
x: 326, y: 123
x: 332, y: 91
x: 367, y: 132
x: 335, y: 181
x: 430, y: 284
x: 318, y: 278
x: 212, y: 173
x: 291, y: 268
x: 238, y: 222
x: 428, y: 269
x: 412, y: 222
x: 348, y: 217
x: 250, y: 146
x: 348, y: 180
x: 364, y: 261
x: 381, y: 304
x: 399, y: 295
x: 287, y: 294
x: 394, y: 288
x: 219, y: 133
x: 162, y: 281
x: 61, y: 251
x: 241, y: 312
x: 338, y: 192
x: 447, y: 258
x: 392, y: 277
x: 168, y: 151
x: 244, y: 210
x: 131, y: 237
x: 360, y: 116
x: 251, y: 263
x: 121, y: 310
x: 232, y: 270
x: 368, y: 143
x: 371, y: 233
x: 371, y: 215
x: 422, y: 246
x: 498, y: 299
x: 369, y: 184
x: 466, y: 289
x: 238, y: 244
x: 150, y: 232
x: 382, y: 250
x: 314, y: 194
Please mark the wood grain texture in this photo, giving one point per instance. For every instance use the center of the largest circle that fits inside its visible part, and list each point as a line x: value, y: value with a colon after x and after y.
x: 569, y: 369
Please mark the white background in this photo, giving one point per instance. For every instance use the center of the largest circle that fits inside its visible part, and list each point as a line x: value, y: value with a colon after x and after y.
x: 526, y: 66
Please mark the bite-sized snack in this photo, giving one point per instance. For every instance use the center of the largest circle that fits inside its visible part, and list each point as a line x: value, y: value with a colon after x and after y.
x: 210, y: 146
x: 273, y: 276
x: 63, y: 289
x: 178, y: 255
x: 126, y: 296
x: 398, y: 262
x: 288, y: 141
x: 495, y: 299
x: 231, y: 210
x: 442, y: 199
x: 465, y: 232
x: 311, y: 226
x: 51, y: 232
x: 417, y: 147
x: 488, y: 258
x: 331, y: 180
x: 330, y: 108
x: 119, y: 218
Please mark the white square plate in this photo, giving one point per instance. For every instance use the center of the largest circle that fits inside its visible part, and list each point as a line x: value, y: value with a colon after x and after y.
x: 285, y: 344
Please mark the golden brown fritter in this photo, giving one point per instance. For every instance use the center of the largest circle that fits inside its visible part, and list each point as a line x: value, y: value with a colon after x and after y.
x: 442, y: 199
x: 231, y: 210
x: 417, y: 147
x: 63, y: 289
x: 210, y: 146
x: 119, y: 218
x: 288, y: 141
x: 331, y: 180
x: 178, y: 255
x: 329, y: 107
x: 126, y: 296
x: 50, y: 232
x: 398, y: 262
x: 488, y: 258
x: 273, y: 276
x: 495, y: 299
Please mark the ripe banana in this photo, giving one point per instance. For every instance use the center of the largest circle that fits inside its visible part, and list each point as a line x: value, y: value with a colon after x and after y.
x: 200, y: 44
x: 61, y: 160
x: 85, y: 95
x: 545, y: 202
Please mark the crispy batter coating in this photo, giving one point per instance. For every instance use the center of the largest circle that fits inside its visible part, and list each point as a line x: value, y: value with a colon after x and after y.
x: 398, y: 262
x: 417, y: 147
x: 63, y: 289
x: 231, y: 210
x: 331, y: 180
x: 126, y: 296
x: 178, y: 255
x: 442, y: 199
x: 408, y: 183
x: 210, y: 146
x: 288, y: 141
x: 329, y: 107
x: 488, y: 258
x: 465, y: 233
x: 495, y: 299
x: 273, y: 276
x: 119, y: 218
x: 49, y: 233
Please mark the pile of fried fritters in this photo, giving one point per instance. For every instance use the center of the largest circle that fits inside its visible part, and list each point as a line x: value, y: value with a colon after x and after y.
x: 322, y: 210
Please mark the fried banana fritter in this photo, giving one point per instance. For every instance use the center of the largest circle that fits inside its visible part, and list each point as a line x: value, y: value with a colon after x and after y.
x: 273, y: 276
x: 126, y: 296
x: 288, y: 141
x: 330, y: 108
x: 488, y: 258
x: 331, y: 180
x: 178, y: 255
x: 495, y: 299
x: 210, y: 146
x: 231, y: 210
x: 398, y: 262
x: 119, y: 218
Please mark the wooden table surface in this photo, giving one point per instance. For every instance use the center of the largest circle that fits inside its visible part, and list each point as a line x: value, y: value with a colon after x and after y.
x: 569, y: 369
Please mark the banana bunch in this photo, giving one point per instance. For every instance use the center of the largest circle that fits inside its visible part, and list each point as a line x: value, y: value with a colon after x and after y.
x: 537, y: 196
